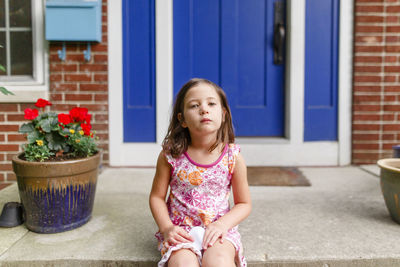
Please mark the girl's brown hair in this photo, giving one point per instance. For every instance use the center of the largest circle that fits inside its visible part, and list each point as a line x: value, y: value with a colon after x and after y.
x: 178, y: 139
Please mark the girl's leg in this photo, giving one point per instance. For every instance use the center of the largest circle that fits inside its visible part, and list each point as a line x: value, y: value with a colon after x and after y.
x: 183, y: 258
x: 219, y: 255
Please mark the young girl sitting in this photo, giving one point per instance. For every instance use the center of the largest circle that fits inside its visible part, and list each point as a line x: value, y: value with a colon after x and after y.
x: 200, y: 163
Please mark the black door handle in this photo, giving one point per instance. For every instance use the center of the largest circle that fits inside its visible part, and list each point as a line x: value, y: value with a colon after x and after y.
x: 279, y: 43
x: 279, y: 32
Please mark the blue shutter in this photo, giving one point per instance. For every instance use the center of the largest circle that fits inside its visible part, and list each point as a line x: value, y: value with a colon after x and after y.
x: 139, y: 102
x: 321, y: 64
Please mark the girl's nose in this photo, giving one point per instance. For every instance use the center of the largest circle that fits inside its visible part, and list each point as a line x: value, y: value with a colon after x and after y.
x: 203, y: 110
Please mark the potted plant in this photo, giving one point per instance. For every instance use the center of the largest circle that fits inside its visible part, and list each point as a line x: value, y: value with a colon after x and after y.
x: 390, y: 185
x: 57, y: 172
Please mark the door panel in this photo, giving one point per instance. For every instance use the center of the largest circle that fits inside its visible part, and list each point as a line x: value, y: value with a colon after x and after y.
x: 230, y: 42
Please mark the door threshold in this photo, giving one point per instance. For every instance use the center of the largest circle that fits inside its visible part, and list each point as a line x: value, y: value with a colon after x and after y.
x: 262, y: 140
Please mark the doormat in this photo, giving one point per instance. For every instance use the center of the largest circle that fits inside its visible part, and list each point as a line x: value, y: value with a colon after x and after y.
x: 276, y: 176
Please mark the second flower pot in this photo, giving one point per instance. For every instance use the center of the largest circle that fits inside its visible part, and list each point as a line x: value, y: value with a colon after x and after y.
x: 390, y: 185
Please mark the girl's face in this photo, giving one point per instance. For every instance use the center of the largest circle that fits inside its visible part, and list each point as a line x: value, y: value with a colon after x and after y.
x: 202, y: 110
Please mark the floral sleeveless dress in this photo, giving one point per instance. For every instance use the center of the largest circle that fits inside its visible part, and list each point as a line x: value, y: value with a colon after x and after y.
x: 199, y: 195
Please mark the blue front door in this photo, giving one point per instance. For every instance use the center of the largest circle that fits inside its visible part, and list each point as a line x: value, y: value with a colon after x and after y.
x: 230, y: 42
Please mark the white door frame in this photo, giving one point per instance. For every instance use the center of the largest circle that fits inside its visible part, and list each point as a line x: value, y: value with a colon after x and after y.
x: 290, y: 150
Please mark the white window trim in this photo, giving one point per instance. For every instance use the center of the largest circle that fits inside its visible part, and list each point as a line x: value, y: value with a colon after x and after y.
x: 38, y: 87
x: 290, y: 150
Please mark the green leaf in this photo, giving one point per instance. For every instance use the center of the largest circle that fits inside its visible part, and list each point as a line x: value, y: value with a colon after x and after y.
x: 27, y: 128
x: 34, y: 152
x: 32, y: 137
x: 55, y: 141
x: 45, y: 125
x: 54, y: 124
x: 66, y: 148
x: 46, y: 115
x: 2, y: 68
x: 5, y: 91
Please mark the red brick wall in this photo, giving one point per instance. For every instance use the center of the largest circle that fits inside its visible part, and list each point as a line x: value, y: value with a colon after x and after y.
x: 376, y: 109
x: 73, y: 82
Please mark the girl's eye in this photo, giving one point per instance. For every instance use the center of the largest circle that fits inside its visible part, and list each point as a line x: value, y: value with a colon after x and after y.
x: 212, y: 104
x: 194, y: 106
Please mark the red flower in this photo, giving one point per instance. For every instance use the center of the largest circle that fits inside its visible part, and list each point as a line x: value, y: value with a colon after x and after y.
x: 41, y: 103
x: 78, y: 114
x: 86, y: 128
x: 64, y: 118
x: 88, y: 117
x: 31, y: 114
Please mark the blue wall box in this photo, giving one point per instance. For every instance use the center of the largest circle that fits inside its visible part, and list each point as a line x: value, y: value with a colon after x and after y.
x: 73, y: 20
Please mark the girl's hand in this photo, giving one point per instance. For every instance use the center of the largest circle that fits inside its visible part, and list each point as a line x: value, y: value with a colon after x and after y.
x: 174, y: 235
x: 214, y: 231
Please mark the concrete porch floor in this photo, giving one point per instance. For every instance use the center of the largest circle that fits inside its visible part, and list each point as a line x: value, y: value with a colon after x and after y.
x: 341, y: 220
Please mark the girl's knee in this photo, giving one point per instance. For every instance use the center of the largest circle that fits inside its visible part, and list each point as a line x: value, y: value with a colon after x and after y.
x: 219, y: 255
x: 218, y: 260
x: 183, y: 258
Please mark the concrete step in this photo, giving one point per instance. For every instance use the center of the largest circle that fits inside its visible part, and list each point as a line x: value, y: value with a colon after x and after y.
x: 341, y: 220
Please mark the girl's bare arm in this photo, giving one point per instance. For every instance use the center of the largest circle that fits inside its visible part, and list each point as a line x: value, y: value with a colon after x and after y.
x: 171, y: 233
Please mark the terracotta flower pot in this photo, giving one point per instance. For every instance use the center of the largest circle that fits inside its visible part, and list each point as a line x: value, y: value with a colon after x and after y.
x: 390, y: 185
x: 57, y: 196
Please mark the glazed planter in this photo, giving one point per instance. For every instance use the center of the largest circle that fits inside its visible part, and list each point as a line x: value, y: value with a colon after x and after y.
x: 390, y: 185
x: 57, y: 196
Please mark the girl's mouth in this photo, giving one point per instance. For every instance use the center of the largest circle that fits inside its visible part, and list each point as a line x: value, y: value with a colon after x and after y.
x: 205, y: 120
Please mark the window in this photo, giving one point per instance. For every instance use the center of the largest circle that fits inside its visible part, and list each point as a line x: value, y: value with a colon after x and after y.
x: 22, y: 50
x: 16, y: 38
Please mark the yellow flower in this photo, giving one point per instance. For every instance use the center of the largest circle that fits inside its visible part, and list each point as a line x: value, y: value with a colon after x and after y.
x: 39, y: 142
x: 81, y: 132
x: 77, y: 140
x: 72, y: 131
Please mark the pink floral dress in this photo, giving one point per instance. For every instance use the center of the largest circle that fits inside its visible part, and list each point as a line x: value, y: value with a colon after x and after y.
x: 199, y: 195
